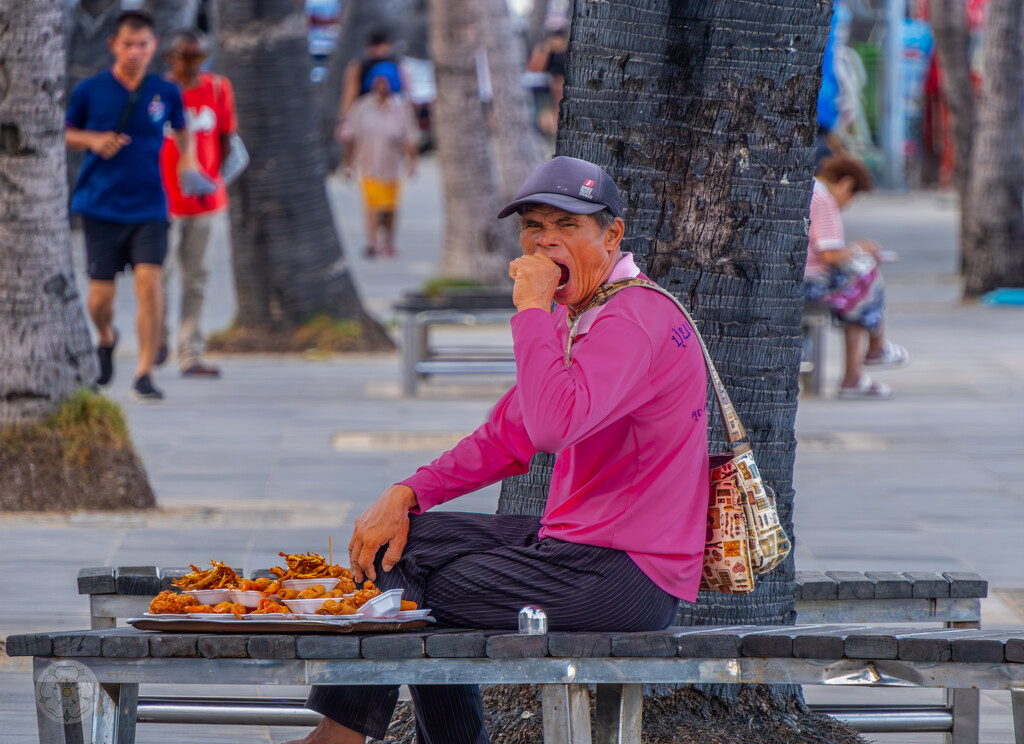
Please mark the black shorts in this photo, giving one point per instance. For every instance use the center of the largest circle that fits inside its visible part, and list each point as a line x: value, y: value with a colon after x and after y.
x: 110, y: 246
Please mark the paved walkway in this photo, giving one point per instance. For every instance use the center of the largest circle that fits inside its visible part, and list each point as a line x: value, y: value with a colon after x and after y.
x: 282, y: 452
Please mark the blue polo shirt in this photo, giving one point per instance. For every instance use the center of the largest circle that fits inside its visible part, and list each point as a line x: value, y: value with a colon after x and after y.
x: 127, y: 188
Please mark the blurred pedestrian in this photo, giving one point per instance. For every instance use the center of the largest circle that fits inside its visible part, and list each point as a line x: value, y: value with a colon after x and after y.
x: 119, y: 116
x: 379, y: 48
x: 550, y: 57
x: 380, y: 136
x: 844, y: 277
x: 210, y: 118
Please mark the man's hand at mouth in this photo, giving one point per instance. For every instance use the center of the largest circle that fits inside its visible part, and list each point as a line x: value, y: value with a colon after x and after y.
x: 537, y: 278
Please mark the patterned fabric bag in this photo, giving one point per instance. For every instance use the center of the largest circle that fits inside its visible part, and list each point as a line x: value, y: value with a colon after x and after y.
x: 744, y: 536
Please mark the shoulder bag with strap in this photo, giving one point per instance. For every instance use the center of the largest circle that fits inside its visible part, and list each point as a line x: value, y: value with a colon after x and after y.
x: 129, y: 108
x: 744, y: 536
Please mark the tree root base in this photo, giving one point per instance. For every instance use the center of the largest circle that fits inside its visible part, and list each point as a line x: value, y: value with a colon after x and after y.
x: 321, y: 334
x: 683, y: 716
x: 35, y: 475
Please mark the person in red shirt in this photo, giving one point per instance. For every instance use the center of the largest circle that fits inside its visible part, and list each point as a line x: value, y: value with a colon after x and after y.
x: 210, y: 117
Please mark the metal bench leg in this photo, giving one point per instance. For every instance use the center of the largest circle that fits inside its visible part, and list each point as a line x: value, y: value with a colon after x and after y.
x: 566, y: 711
x: 410, y: 354
x: 1017, y: 703
x: 620, y: 711
x: 966, y: 707
x: 116, y: 710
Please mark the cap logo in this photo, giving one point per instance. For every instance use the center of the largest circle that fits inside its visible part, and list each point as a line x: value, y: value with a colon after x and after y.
x: 587, y: 189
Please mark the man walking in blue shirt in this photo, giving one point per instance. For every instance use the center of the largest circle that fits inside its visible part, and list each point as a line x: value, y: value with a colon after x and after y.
x: 119, y: 117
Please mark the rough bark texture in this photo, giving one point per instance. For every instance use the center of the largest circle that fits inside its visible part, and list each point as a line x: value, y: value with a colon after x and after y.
x: 952, y: 39
x: 45, y: 349
x: 287, y: 255
x: 476, y: 246
x: 703, y: 114
x: 993, y: 249
x: 407, y: 22
x: 513, y: 715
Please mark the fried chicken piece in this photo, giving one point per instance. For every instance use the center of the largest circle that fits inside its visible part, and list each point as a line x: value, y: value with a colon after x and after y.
x: 346, y: 585
x: 407, y: 605
x: 312, y: 592
x: 169, y: 602
x: 364, y: 595
x: 205, y: 609
x: 223, y: 607
x: 248, y: 585
x: 272, y: 587
x: 337, y: 572
x: 262, y: 584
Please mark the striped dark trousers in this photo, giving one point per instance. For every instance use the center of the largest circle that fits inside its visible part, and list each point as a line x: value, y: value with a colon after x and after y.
x: 478, y: 571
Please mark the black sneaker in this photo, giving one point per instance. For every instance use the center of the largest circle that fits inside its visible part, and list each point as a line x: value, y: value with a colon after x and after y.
x: 143, y: 389
x: 106, y: 355
x: 161, y: 356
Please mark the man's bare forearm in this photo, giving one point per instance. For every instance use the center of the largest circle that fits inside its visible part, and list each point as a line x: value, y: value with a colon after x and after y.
x: 78, y: 139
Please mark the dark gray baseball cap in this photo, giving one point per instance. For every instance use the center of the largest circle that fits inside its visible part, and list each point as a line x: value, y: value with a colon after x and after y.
x: 570, y: 184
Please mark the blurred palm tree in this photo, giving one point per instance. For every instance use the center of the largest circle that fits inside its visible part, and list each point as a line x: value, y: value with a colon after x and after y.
x: 287, y: 255
x: 988, y: 147
x: 46, y: 354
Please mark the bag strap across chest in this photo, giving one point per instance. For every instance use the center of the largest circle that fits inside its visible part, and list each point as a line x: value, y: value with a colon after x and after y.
x: 735, y: 433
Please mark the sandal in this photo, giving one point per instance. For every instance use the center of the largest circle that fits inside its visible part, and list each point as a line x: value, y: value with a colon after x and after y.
x: 866, y: 388
x: 893, y: 355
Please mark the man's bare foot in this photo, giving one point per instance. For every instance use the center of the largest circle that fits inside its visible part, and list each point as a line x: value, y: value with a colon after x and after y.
x: 330, y: 732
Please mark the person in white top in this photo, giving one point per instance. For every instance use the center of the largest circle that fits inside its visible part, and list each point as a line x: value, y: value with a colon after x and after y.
x: 380, y: 137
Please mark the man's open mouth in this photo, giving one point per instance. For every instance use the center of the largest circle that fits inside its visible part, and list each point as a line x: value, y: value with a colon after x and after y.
x: 564, y: 278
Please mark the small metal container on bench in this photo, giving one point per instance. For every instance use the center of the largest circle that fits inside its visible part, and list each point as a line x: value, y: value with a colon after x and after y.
x: 533, y: 621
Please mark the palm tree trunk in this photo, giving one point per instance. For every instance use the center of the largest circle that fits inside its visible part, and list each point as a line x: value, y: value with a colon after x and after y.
x: 45, y: 349
x: 475, y: 245
x: 703, y: 113
x: 517, y: 146
x: 994, y: 245
x: 287, y: 255
x: 949, y: 26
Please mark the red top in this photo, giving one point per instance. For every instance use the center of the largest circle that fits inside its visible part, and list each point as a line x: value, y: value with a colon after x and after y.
x: 627, y: 420
x: 209, y: 114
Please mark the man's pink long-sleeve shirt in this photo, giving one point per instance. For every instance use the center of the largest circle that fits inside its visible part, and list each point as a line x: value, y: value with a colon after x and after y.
x: 627, y: 421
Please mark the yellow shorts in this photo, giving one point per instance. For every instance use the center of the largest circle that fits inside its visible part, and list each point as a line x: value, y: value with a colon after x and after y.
x: 380, y: 196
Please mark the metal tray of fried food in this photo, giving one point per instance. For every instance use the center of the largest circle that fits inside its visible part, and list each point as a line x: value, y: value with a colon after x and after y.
x: 330, y: 624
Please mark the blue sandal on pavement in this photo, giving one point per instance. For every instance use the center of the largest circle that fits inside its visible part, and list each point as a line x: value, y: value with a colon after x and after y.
x: 893, y: 355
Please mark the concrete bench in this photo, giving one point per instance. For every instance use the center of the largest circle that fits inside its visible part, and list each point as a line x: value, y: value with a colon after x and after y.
x: 420, y: 313
x: 814, y: 334
x: 564, y: 664
x: 950, y: 599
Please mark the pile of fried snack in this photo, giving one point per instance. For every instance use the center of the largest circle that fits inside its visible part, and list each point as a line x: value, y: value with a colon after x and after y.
x: 344, y: 599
